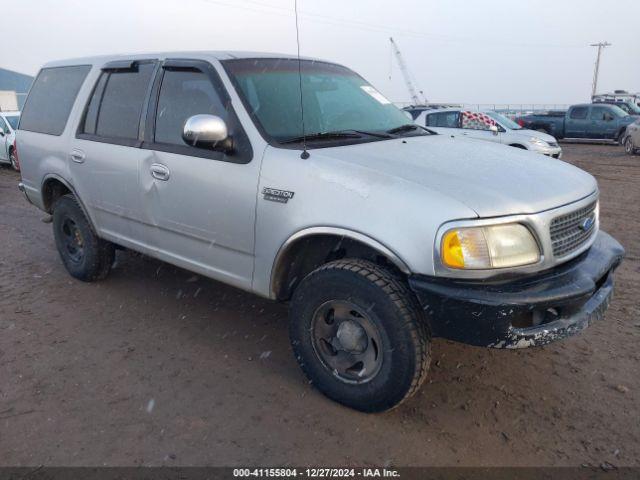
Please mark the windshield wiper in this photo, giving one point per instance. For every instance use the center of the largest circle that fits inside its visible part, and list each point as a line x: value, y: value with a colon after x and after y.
x: 322, y: 136
x: 371, y: 134
x: 408, y: 127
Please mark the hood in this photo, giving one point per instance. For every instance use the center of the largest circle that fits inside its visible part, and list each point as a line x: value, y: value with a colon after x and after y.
x: 491, y: 179
x: 527, y: 134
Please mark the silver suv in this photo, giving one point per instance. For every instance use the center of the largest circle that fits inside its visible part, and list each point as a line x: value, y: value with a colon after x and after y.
x: 379, y: 233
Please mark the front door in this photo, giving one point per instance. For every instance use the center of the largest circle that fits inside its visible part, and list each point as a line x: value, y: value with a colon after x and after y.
x: 602, y: 123
x: 202, y: 202
x: 478, y: 125
x: 4, y: 148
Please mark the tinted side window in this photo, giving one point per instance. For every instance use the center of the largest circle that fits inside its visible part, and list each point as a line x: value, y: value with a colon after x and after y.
x: 579, y: 113
x: 443, y: 119
x: 117, y: 101
x: 51, y: 99
x: 184, y: 93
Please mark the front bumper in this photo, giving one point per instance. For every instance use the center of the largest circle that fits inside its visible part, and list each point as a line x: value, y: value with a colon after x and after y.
x: 527, y: 311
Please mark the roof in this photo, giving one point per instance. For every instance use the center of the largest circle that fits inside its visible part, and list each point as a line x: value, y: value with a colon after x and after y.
x: 210, y: 55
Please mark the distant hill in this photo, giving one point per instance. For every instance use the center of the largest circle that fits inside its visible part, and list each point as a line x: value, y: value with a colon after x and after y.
x: 10, y: 80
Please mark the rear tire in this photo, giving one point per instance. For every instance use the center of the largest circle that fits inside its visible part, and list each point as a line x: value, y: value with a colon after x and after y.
x: 360, y: 335
x: 85, y: 256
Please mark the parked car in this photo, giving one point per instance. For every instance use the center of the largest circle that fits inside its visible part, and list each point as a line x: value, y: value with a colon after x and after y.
x: 490, y: 126
x: 631, y: 140
x: 8, y: 125
x: 416, y: 110
x: 586, y: 121
x: 628, y: 106
x: 377, y: 232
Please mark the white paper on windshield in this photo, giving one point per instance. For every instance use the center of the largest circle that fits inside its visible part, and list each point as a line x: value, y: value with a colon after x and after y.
x: 375, y: 94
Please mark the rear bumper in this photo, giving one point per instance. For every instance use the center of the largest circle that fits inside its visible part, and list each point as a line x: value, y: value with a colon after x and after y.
x: 528, y: 311
x: 23, y: 189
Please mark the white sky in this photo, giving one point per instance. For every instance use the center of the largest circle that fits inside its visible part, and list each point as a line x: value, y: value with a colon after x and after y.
x: 472, y: 51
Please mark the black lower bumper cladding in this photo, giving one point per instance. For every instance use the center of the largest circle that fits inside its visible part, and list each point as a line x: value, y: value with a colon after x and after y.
x: 528, y: 311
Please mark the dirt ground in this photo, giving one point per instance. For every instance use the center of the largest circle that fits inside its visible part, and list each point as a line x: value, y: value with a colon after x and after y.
x: 154, y: 366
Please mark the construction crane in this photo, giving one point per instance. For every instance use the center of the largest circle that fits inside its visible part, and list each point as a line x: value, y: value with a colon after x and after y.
x: 417, y: 97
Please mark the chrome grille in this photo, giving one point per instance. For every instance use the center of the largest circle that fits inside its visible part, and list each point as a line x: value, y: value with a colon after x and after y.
x: 569, y: 232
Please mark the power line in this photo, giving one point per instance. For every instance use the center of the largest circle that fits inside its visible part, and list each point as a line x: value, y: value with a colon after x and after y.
x: 250, y: 5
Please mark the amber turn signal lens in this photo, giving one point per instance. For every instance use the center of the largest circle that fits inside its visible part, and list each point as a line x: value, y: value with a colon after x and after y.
x: 452, y: 250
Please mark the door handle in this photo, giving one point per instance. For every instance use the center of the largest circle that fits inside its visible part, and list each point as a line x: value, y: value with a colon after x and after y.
x: 77, y: 156
x: 160, y: 172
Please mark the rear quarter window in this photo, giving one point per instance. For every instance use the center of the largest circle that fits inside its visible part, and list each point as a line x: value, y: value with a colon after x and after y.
x: 51, y: 99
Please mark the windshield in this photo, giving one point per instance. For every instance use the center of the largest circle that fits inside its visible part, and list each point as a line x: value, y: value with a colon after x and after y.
x: 335, y: 99
x: 630, y: 108
x: 618, y: 112
x: 13, y: 121
x: 504, y: 121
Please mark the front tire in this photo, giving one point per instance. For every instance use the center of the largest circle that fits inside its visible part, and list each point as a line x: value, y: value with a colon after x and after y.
x: 13, y: 159
x: 629, y: 147
x: 359, y: 335
x: 85, y: 256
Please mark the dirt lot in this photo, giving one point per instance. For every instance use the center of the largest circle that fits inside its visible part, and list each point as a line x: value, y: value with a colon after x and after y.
x: 157, y: 367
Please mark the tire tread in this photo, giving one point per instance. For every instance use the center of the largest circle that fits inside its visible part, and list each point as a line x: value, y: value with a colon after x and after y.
x: 412, y: 315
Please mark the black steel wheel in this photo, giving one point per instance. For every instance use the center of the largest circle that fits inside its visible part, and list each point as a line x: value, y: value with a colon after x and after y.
x: 346, y: 341
x: 85, y: 256
x: 359, y: 335
x: 72, y: 240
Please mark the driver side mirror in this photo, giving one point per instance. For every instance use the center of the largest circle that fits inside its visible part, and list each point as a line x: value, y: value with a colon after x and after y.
x: 207, y: 131
x: 494, y: 129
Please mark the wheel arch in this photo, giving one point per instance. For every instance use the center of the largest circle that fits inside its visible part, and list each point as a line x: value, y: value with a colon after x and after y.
x: 53, y: 187
x: 307, y: 249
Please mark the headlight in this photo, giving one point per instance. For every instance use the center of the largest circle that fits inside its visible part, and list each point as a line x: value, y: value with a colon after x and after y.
x: 494, y: 246
x: 539, y: 142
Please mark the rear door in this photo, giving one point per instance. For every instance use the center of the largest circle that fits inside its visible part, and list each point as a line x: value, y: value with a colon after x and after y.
x: 203, y: 204
x: 105, y: 156
x: 577, y: 122
x: 444, y: 122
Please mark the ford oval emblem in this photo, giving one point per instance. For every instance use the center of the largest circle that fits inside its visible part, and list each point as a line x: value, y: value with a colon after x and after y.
x: 587, y: 223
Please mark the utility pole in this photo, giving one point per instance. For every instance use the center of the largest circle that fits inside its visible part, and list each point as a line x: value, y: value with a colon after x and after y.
x: 600, y: 46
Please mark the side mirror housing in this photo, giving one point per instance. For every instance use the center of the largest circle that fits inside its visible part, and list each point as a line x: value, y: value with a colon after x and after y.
x: 494, y: 129
x: 207, y: 131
